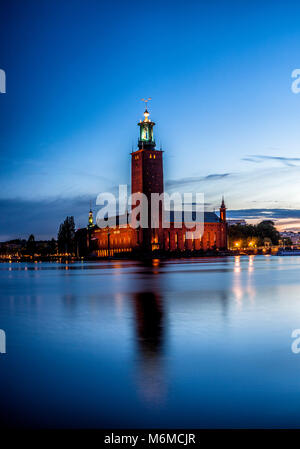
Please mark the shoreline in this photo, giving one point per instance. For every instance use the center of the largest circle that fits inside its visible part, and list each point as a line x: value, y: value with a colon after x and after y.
x: 136, y: 257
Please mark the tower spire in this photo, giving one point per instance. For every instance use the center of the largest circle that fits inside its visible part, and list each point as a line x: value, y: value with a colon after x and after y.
x: 91, y: 218
x: 145, y: 100
x: 223, y: 210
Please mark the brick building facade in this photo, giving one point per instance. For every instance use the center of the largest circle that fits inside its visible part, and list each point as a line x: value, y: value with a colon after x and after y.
x: 147, y: 178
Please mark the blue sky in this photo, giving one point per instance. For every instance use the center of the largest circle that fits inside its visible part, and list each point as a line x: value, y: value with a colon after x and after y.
x: 219, y: 74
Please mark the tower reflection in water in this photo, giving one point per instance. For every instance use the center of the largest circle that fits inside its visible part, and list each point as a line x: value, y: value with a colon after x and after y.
x: 150, y: 340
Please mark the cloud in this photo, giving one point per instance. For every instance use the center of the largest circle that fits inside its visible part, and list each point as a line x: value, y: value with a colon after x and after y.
x: 172, y: 183
x: 284, y: 219
x: 288, y: 161
x: 249, y: 159
x: 217, y: 176
x: 21, y: 217
x: 260, y: 213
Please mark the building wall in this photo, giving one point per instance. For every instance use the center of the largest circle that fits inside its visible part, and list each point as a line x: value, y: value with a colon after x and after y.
x: 110, y: 241
x: 214, y: 236
x: 126, y: 239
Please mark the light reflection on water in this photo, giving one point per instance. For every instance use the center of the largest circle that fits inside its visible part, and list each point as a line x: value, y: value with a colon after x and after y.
x: 181, y: 343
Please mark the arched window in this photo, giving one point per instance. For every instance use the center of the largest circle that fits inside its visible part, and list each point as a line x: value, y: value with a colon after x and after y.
x: 168, y: 242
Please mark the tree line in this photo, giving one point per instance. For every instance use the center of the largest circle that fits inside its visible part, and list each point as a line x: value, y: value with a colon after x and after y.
x: 253, y: 235
x: 65, y: 243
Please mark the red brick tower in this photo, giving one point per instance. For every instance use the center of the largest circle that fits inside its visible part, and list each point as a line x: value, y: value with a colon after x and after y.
x: 147, y: 178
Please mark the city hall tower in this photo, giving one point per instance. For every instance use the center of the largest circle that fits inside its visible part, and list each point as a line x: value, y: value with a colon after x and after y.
x: 147, y: 178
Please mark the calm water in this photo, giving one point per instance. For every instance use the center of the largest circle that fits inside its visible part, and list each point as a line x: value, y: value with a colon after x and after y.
x: 194, y: 343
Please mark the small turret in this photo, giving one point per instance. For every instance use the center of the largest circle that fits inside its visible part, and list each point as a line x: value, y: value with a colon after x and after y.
x: 223, y: 211
x: 91, y: 219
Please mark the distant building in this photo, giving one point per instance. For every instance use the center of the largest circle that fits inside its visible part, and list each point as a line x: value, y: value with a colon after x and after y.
x: 293, y: 236
x: 13, y: 247
x: 147, y: 177
x: 236, y: 222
